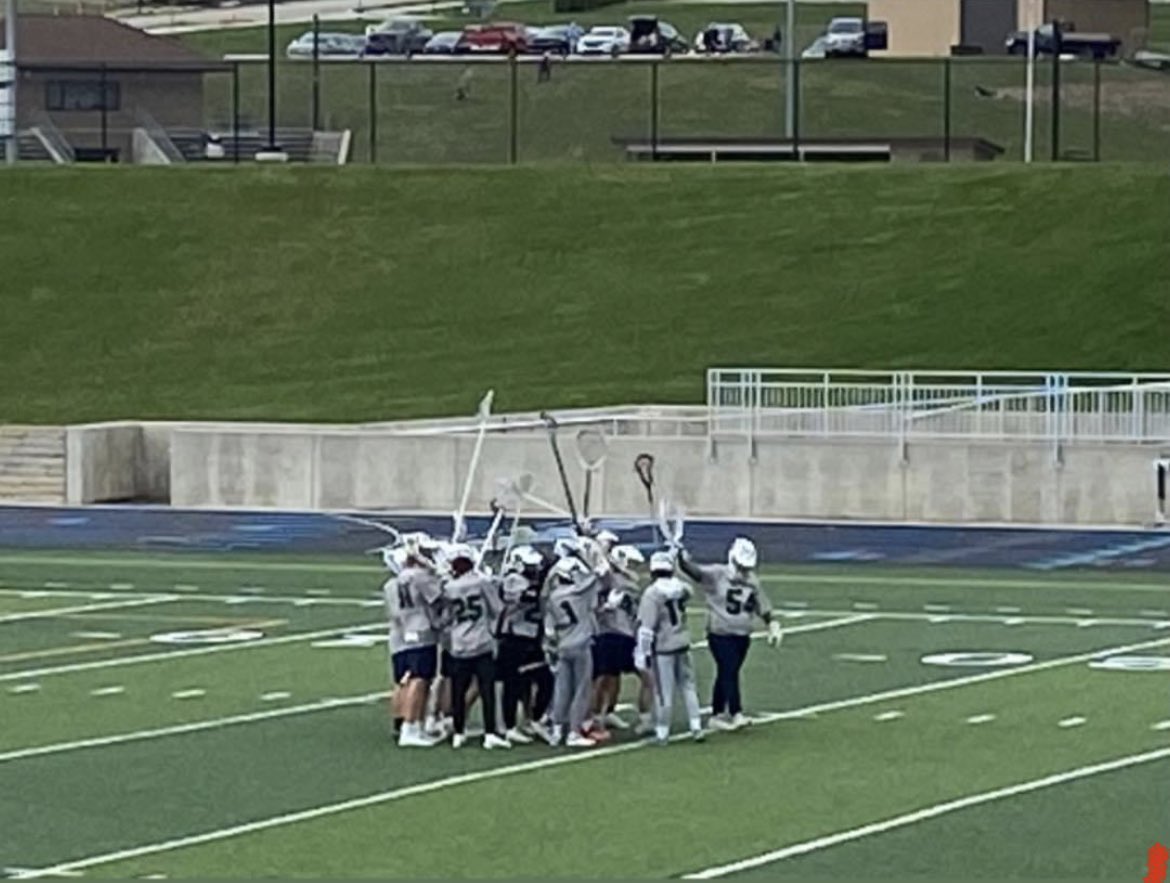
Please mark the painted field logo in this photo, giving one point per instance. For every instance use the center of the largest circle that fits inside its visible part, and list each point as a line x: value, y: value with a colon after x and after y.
x: 1156, y: 864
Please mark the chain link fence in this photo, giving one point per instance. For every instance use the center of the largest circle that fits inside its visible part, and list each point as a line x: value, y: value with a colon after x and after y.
x: 458, y: 111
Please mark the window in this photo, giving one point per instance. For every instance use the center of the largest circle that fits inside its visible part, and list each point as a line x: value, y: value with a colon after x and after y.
x: 81, y: 95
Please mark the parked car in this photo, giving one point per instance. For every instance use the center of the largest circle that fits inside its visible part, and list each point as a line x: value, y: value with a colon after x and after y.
x: 558, y: 39
x: 446, y: 43
x: 502, y: 37
x: 329, y: 45
x: 397, y: 36
x: 1071, y: 43
x: 846, y: 38
x: 649, y: 35
x: 725, y: 37
x: 604, y: 40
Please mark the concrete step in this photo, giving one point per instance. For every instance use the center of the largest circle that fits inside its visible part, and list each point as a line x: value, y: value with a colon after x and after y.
x: 32, y: 464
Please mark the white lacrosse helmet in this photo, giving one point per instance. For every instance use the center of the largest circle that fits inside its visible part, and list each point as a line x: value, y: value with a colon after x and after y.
x: 662, y: 564
x: 566, y: 547
x: 607, y: 539
x: 521, y: 557
x: 568, y: 569
x: 742, y: 554
x: 627, y: 558
x: 394, y: 557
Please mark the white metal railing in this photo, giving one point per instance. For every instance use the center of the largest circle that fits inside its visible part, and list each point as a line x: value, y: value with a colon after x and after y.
x: 1053, y: 407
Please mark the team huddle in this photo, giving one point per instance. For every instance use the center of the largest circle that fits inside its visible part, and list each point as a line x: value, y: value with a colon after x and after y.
x: 557, y: 633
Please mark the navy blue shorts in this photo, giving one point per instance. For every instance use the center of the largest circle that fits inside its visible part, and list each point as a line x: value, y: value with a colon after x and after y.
x: 418, y: 662
x: 613, y: 654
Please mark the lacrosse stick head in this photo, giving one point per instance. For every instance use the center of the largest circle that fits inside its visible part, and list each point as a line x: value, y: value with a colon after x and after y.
x: 644, y: 467
x: 510, y: 492
x: 592, y: 449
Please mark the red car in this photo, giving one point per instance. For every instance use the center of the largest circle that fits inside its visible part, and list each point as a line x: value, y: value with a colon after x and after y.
x: 502, y: 37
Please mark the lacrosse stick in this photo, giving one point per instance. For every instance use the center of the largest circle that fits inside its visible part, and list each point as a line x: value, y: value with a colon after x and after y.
x: 644, y: 468
x: 485, y: 410
x: 509, y: 495
x: 591, y: 453
x: 547, y: 506
x: 395, y: 535
x: 671, y: 522
x: 551, y: 423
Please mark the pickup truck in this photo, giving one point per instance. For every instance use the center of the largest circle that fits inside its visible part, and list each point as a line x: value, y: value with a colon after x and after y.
x: 1071, y: 43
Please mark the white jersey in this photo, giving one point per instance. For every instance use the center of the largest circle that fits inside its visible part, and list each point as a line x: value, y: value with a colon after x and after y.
x: 662, y: 612
x: 413, y: 601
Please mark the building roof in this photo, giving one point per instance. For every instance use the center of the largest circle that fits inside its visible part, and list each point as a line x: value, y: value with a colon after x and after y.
x: 94, y: 39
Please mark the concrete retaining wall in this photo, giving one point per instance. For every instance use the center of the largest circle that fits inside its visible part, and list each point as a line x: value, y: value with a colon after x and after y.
x: 788, y: 478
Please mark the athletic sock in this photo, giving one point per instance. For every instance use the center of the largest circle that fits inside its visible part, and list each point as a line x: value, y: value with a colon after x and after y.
x: 696, y: 724
x: 662, y: 731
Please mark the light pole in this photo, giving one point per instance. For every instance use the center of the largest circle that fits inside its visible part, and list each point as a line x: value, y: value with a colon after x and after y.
x: 8, y: 82
x: 790, y: 76
x: 271, y: 151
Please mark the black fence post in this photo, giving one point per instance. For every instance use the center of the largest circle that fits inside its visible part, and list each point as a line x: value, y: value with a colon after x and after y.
x: 373, y: 112
x: 654, y: 110
x: 513, y: 108
x: 795, y: 106
x: 316, y: 73
x: 1096, y: 110
x: 1056, y: 48
x: 236, y: 112
x: 947, y: 109
x: 105, y: 106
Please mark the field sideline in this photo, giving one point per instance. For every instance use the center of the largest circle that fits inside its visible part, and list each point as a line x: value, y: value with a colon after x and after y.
x: 175, y: 758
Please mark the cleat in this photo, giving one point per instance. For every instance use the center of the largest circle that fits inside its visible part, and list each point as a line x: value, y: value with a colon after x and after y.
x: 412, y: 741
x: 740, y: 721
x: 614, y: 721
x: 579, y: 740
x: 491, y: 740
x: 528, y: 728
x: 699, y: 735
x: 661, y: 741
x: 555, y: 736
x: 720, y: 722
x: 458, y: 740
x: 643, y: 729
x: 517, y: 738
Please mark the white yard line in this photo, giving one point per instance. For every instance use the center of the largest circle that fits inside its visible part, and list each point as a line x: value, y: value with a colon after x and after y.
x: 191, y: 595
x: 911, y: 615
x: 180, y: 654
x: 193, y: 564
x: 193, y: 727
x: 559, y: 760
x: 87, y: 608
x: 929, y: 812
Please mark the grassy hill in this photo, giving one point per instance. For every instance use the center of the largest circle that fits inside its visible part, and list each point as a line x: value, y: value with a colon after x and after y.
x: 373, y: 293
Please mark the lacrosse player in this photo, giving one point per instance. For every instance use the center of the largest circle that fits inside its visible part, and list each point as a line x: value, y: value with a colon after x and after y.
x: 664, y: 646
x: 569, y: 626
x: 472, y: 603
x: 613, y: 652
x: 413, y: 601
x: 734, y: 600
x: 520, y: 659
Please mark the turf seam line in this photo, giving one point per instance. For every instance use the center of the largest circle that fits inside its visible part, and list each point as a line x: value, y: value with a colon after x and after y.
x: 928, y: 812
x: 544, y: 763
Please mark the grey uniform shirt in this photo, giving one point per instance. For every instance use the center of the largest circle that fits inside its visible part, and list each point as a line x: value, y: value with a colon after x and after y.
x: 412, y: 608
x: 733, y: 601
x: 663, y: 612
x: 618, y: 613
x: 570, y: 615
x: 521, y: 615
x: 472, y: 603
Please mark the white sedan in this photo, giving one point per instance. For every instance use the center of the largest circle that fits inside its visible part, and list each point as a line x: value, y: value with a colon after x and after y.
x: 604, y: 40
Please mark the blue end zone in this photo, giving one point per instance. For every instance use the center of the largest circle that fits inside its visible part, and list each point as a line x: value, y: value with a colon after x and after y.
x: 133, y: 528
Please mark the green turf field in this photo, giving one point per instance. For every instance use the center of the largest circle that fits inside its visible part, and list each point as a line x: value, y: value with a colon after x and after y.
x: 386, y: 292
x: 575, y: 116
x: 121, y: 756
